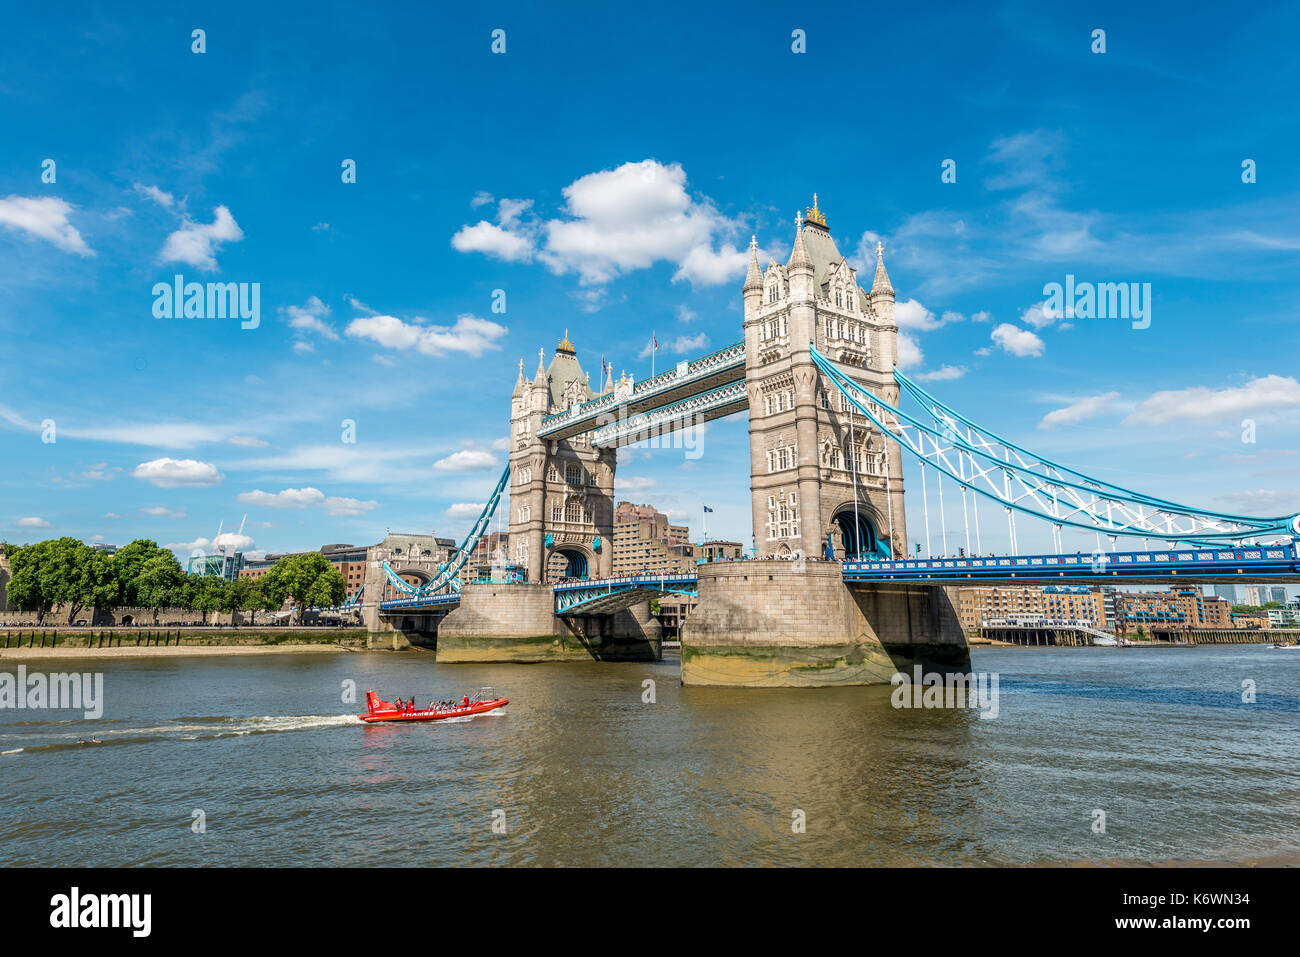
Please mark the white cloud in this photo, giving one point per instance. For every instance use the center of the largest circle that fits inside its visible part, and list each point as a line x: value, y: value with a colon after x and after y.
x: 467, y: 460
x: 686, y: 314
x: 288, y: 498
x: 1040, y: 315
x: 633, y: 483
x: 195, y: 243
x: 909, y: 352
x: 1267, y: 394
x: 302, y: 347
x: 1017, y: 341
x: 634, y: 216
x: 941, y: 374
x: 45, y: 217
x: 310, y: 318
x: 492, y: 240
x: 247, y: 441
x: 173, y: 473
x: 32, y: 522
x: 684, y: 344
x: 481, y: 198
x: 470, y: 334
x: 228, y: 541
x: 162, y: 511
x: 165, y: 200
x: 910, y: 314
x: 465, y: 510
x: 339, y: 505
x: 501, y: 444
x: 321, y: 228
x: 1078, y: 410
x: 307, y: 497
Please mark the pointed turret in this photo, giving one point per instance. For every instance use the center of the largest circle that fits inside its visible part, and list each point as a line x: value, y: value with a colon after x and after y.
x: 539, y: 378
x: 881, y: 286
x: 799, y: 258
x: 520, y: 382
x: 753, y: 278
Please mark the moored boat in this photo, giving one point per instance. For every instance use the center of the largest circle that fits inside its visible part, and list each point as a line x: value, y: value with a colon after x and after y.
x: 378, y: 710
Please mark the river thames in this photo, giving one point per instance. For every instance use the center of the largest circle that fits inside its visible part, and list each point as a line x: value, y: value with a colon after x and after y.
x: 581, y: 769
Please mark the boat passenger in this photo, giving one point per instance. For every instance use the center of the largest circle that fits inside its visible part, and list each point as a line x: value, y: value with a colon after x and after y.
x: 467, y: 701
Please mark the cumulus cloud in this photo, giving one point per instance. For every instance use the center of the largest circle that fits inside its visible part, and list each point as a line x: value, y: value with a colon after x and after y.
x: 174, y: 473
x: 287, y: 498
x: 1017, y: 341
x: 32, y: 522
x: 310, y: 317
x: 615, y: 221
x: 909, y: 352
x: 1040, y: 315
x: 226, y: 541
x: 1078, y: 410
x: 634, y: 483
x: 470, y: 334
x: 1270, y: 393
x: 307, y: 498
x: 910, y: 314
x: 492, y: 240
x: 45, y: 217
x: 195, y: 243
x: 465, y: 510
x: 941, y: 374
x: 467, y: 460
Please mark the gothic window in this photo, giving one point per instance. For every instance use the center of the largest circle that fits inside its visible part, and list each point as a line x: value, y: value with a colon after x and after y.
x: 767, y: 405
x: 839, y: 298
x: 824, y: 400
x: 573, y: 511
x: 551, y: 474
x: 525, y: 426
x: 573, y: 474
x: 836, y: 459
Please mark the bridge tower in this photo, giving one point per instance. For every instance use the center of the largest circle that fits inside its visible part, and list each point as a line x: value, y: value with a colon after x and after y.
x: 808, y: 449
x: 561, y: 492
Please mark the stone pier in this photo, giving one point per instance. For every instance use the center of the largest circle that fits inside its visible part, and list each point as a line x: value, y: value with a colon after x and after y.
x: 517, y: 623
x: 777, y: 624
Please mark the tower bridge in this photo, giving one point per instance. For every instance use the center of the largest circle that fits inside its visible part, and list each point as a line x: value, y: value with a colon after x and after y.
x: 831, y: 597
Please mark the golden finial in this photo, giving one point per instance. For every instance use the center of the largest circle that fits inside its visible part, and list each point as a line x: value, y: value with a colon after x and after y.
x: 815, y: 215
x: 565, y: 345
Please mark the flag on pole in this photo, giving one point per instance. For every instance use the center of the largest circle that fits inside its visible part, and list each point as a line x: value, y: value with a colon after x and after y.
x: 707, y: 509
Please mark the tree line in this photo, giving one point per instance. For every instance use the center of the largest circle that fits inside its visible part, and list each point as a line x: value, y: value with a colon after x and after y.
x: 68, y: 572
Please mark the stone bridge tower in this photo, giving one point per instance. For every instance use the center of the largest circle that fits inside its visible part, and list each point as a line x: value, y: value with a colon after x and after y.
x: 808, y: 447
x: 561, y: 492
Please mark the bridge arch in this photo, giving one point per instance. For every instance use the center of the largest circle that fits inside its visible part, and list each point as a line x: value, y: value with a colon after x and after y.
x: 855, y: 533
x: 569, y: 560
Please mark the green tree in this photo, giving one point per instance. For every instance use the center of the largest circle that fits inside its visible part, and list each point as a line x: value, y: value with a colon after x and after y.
x: 128, y: 564
x: 160, y: 582
x: 207, y: 593
x: 60, y: 571
x: 246, y: 594
x: 308, y: 579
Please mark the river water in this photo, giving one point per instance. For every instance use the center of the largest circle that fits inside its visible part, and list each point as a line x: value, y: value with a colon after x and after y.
x: 580, y: 769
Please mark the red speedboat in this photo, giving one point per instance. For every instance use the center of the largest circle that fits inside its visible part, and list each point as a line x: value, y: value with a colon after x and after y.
x: 379, y: 710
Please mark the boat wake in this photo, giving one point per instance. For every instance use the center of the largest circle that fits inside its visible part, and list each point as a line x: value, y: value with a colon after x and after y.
x: 186, y: 729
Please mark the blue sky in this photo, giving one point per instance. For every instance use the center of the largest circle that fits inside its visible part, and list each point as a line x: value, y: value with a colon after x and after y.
x: 607, y: 172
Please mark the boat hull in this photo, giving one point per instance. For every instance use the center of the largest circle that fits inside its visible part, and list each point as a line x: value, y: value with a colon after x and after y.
x: 478, y: 707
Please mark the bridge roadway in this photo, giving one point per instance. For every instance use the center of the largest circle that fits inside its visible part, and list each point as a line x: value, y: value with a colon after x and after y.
x: 687, y: 380
x: 1272, y: 563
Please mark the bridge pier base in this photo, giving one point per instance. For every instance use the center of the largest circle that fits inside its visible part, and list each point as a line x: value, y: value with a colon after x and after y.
x: 517, y: 623
x: 797, y: 625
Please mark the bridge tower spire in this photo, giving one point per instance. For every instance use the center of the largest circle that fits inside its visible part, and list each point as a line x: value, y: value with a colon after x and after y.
x: 805, y: 449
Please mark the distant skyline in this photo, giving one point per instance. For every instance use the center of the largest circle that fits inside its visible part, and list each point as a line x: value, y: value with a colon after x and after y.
x: 604, y: 176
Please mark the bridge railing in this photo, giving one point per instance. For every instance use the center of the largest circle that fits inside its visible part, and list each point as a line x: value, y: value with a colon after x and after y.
x: 1102, y: 564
